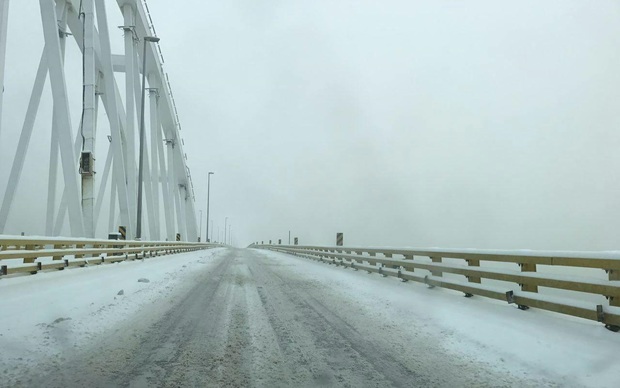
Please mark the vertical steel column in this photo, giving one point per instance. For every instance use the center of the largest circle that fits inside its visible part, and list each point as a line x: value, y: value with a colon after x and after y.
x: 146, y: 179
x: 130, y: 112
x: 148, y: 188
x: 155, y: 134
x: 176, y: 191
x: 103, y: 184
x: 111, y: 215
x: 144, y: 175
x: 89, y: 117
x: 165, y: 184
x: 109, y: 90
x: 141, y: 145
x: 174, y: 188
x: 189, y: 213
x: 190, y: 210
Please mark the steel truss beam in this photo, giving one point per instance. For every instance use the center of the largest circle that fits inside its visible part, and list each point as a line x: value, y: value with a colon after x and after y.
x: 167, y: 180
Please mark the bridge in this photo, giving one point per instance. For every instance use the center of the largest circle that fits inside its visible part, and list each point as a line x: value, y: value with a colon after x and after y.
x: 107, y: 277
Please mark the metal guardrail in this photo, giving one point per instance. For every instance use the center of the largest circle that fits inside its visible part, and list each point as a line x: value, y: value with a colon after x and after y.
x: 30, y: 254
x: 407, y: 263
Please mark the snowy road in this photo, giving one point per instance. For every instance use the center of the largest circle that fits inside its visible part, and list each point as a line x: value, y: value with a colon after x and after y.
x: 255, y: 318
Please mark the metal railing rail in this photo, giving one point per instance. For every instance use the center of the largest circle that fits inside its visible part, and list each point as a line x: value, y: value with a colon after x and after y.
x: 20, y: 254
x: 406, y: 263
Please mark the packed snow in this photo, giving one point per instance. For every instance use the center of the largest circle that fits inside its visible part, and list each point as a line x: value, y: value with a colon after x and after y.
x: 46, y: 317
x: 49, y: 314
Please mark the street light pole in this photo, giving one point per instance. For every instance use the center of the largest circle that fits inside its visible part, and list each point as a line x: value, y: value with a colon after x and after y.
x: 211, y: 230
x: 141, y: 157
x: 200, y: 233
x: 208, y: 192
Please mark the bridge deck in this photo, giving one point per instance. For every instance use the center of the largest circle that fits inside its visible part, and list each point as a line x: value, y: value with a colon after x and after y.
x: 232, y: 317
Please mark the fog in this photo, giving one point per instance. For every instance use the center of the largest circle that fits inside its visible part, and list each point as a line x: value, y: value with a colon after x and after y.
x: 407, y: 123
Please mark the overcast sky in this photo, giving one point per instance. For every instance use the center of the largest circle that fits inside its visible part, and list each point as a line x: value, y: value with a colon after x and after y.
x: 409, y: 123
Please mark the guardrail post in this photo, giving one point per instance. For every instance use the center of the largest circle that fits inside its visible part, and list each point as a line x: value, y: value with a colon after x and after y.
x: 38, y: 269
x: 528, y: 267
x: 79, y: 246
x: 410, y: 269
x: 614, y: 274
x: 30, y: 259
x: 389, y: 256
x: 436, y: 259
x: 473, y: 263
x: 95, y: 246
x: 370, y: 261
x: 57, y: 246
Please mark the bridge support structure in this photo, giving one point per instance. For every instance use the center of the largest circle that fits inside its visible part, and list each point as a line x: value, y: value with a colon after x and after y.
x: 93, y: 169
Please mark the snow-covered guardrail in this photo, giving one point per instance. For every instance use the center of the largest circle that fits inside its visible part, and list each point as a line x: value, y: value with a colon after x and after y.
x: 33, y: 254
x: 408, y: 264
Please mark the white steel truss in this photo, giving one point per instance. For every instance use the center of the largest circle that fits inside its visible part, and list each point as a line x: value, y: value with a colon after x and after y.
x: 167, y: 181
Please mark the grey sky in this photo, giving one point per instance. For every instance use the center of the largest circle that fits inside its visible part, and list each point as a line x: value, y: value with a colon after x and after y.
x: 447, y: 123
